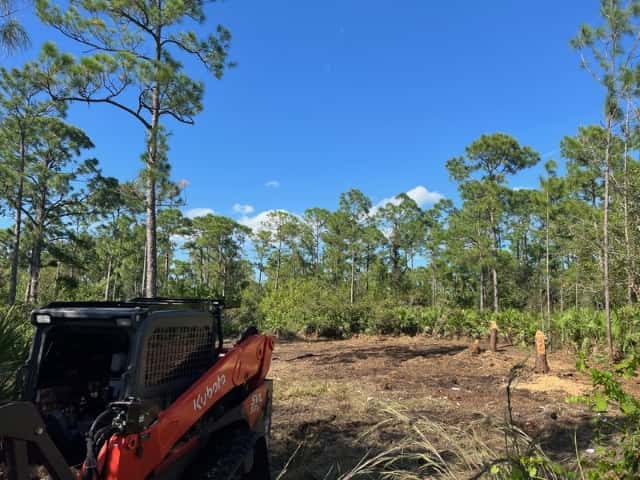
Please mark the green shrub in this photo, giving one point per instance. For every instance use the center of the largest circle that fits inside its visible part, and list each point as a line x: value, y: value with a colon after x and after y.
x: 388, y: 319
x: 626, y: 329
x: 518, y: 325
x: 15, y: 336
x: 312, y: 307
x: 339, y: 321
x: 468, y: 323
x: 622, y: 462
x: 247, y: 314
x: 305, y: 307
x: 579, y: 328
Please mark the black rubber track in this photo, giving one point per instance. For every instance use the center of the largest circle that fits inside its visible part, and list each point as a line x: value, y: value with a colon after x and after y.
x: 226, y: 462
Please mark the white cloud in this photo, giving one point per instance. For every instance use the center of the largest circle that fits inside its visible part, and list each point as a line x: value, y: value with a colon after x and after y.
x: 198, y: 212
x: 244, y: 209
x: 272, y: 184
x: 421, y: 195
x: 259, y: 221
x: 179, y: 240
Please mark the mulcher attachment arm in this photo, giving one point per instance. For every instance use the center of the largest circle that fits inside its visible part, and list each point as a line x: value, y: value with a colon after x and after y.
x: 22, y: 425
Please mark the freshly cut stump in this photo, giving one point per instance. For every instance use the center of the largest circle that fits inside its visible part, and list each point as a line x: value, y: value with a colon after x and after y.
x: 493, y: 337
x: 475, y: 348
x: 542, y: 366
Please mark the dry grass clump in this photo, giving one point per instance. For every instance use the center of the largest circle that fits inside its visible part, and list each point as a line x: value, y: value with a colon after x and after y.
x: 430, y: 449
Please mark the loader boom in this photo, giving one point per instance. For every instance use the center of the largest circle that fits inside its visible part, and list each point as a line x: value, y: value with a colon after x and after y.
x: 122, y: 459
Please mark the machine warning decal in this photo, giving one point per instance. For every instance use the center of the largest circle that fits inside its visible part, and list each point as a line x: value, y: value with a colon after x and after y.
x: 203, y: 398
x: 256, y: 403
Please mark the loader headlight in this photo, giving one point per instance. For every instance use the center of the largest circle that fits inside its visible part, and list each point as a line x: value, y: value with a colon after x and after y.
x: 123, y: 322
x: 43, y: 319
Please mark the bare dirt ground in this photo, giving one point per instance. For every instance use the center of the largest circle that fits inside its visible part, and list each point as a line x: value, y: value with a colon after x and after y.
x: 331, y: 395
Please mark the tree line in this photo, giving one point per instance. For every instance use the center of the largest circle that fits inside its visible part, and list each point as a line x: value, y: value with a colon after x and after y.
x: 570, y: 242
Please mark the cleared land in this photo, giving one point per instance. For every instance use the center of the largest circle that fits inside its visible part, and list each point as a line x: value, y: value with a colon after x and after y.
x: 331, y: 396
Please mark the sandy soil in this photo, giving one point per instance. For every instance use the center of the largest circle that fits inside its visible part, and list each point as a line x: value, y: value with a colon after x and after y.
x: 330, y: 395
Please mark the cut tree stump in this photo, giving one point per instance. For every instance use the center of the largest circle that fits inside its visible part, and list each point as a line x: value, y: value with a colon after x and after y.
x: 475, y: 348
x: 542, y: 366
x: 493, y: 337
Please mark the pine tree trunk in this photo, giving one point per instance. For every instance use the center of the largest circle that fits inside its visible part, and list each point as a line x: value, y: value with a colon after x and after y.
x: 140, y: 291
x: 317, y: 253
x: 34, y: 281
x: 151, y: 267
x: 494, y: 276
x: 202, y: 278
x: 434, y: 287
x: 395, y: 265
x: 278, y: 260
x: 352, y: 290
x: 106, y: 288
x: 151, y: 251
x: 167, y: 264
x: 211, y: 281
x: 224, y: 280
x: 605, y: 243
x: 17, y: 228
x: 547, y: 273
x: 56, y: 281
x: 494, y: 272
x: 28, y: 287
x: 541, y: 304
x: 366, y: 269
x: 481, y: 289
x: 630, y: 261
x: 36, y: 252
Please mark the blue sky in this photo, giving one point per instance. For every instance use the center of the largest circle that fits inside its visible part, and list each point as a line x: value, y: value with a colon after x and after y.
x: 375, y: 95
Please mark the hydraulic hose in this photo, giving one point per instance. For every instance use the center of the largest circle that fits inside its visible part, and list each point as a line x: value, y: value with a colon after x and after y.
x: 94, y: 438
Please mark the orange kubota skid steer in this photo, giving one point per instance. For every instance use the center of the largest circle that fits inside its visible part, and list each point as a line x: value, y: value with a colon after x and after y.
x: 143, y: 389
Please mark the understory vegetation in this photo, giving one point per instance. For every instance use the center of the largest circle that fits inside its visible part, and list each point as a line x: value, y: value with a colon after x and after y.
x: 304, y: 310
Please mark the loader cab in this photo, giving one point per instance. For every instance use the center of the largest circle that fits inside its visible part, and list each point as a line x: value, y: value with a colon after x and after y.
x: 86, y: 355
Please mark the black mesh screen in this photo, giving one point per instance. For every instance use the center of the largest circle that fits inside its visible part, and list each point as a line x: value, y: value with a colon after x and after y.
x: 175, y: 353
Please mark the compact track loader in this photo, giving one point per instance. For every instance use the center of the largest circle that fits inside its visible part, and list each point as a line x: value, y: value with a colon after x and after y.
x: 143, y: 389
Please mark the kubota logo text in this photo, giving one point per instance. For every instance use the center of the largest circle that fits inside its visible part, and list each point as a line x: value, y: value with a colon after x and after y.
x: 203, y: 398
